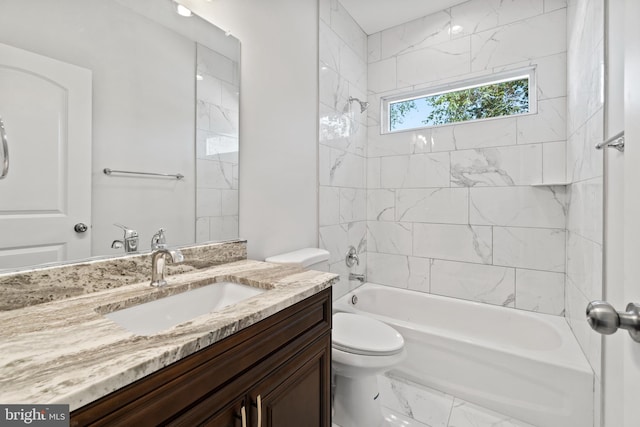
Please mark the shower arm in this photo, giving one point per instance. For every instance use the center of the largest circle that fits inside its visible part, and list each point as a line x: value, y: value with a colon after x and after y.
x: 363, y: 104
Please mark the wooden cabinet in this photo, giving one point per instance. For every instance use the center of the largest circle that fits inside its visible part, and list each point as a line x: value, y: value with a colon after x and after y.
x: 282, y: 362
x: 289, y: 397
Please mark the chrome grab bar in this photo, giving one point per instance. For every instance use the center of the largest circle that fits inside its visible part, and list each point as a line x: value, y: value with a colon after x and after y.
x: 108, y: 171
x: 616, y: 141
x: 5, y: 151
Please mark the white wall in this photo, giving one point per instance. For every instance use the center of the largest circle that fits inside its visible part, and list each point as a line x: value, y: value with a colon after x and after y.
x: 278, y: 119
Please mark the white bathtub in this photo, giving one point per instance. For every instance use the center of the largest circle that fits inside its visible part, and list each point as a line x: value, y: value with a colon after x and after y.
x: 523, y: 364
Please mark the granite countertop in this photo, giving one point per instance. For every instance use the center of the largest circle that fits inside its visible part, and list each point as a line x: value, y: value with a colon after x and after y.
x: 66, y: 351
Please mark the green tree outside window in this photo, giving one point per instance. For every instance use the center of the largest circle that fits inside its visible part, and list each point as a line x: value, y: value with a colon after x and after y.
x: 482, y: 102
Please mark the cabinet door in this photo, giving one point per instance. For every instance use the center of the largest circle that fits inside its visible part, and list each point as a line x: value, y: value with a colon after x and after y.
x: 297, y: 394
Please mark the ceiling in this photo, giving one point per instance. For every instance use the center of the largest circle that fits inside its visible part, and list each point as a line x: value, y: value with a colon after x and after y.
x: 377, y: 15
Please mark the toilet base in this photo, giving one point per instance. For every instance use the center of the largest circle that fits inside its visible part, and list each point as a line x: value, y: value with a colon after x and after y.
x: 357, y: 402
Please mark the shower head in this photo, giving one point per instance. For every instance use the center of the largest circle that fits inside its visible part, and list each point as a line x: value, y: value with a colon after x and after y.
x: 363, y: 104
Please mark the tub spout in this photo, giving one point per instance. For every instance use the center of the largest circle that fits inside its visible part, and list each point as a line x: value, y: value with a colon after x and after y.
x: 358, y: 277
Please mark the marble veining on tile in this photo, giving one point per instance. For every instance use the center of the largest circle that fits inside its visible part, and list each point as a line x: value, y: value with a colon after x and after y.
x: 454, y: 242
x: 405, y: 403
x: 476, y: 282
x: 65, y: 351
x: 505, y: 166
x: 449, y: 204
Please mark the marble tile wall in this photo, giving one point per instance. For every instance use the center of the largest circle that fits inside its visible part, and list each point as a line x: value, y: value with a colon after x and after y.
x: 451, y: 209
x: 343, y: 140
x: 585, y: 128
x: 217, y: 112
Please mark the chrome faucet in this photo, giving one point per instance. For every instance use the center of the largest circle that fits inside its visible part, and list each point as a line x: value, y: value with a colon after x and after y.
x: 359, y: 277
x: 158, y: 241
x: 129, y: 241
x: 158, y: 261
x: 351, y: 257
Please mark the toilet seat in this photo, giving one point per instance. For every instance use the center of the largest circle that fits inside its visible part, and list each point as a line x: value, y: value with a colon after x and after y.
x: 362, y: 335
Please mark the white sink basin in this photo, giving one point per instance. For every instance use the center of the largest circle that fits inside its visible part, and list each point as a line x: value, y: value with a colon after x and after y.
x: 156, y: 316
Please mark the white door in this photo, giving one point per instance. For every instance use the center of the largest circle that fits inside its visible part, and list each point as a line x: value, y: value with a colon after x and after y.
x: 631, y: 349
x: 45, y: 105
x: 621, y: 367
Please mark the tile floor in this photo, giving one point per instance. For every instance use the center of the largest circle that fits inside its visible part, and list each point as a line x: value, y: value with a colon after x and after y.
x: 406, y: 404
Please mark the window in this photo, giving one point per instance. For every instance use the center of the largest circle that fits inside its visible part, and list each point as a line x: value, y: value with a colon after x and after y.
x: 500, y: 95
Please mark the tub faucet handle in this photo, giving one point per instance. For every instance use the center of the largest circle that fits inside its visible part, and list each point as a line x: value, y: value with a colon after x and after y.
x: 351, y: 258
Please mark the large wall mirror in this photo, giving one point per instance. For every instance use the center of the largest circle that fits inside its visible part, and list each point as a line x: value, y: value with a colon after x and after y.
x: 114, y: 112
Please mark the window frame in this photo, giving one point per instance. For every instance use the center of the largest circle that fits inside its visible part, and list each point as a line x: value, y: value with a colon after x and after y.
x: 459, y: 85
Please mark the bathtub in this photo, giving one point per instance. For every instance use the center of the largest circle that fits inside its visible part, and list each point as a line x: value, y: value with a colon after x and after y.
x: 518, y: 363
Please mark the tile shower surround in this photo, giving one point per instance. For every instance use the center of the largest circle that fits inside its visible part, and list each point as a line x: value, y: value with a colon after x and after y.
x: 343, y: 141
x: 217, y: 146
x: 448, y: 205
x: 585, y: 128
x: 451, y: 209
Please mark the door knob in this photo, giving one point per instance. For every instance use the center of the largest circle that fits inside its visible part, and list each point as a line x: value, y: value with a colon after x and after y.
x: 603, y: 318
x: 80, y: 227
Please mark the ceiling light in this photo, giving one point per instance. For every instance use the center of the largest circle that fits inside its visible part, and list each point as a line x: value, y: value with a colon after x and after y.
x: 183, y: 11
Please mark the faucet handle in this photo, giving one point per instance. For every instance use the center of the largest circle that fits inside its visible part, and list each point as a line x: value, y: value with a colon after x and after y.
x: 352, y: 257
x: 130, y: 238
x: 158, y: 241
x: 128, y: 232
x: 177, y: 255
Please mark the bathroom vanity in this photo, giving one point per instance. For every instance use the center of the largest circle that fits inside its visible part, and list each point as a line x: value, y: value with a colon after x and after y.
x: 274, y: 373
x: 265, y: 358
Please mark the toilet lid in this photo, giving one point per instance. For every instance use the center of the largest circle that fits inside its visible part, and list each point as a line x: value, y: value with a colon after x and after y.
x: 358, y: 334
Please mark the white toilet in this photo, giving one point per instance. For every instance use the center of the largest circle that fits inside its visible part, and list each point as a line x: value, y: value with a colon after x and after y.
x: 311, y: 258
x: 362, y: 347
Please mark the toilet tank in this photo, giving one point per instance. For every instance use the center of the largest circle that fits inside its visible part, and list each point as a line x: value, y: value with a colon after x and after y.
x: 310, y: 258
